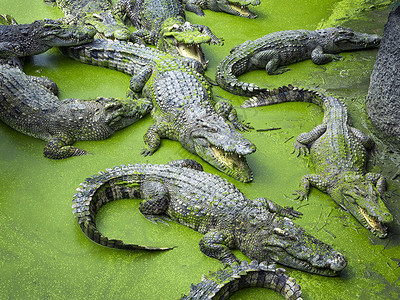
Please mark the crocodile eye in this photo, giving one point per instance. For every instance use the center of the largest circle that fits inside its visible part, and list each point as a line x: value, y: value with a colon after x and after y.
x: 208, y: 128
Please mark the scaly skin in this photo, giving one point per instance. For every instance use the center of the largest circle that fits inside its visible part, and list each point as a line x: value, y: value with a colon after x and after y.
x: 163, y: 23
x: 98, y: 13
x: 183, y: 105
x: 233, y: 7
x: 282, y: 48
x: 339, y: 154
x: 209, y: 204
x: 223, y: 283
x: 29, y: 106
x: 39, y: 36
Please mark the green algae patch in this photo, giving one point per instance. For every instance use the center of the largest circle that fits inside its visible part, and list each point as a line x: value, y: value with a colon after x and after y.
x: 346, y: 10
x: 44, y: 253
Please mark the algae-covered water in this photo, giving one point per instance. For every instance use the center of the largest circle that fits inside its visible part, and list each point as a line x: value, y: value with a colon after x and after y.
x: 43, y: 253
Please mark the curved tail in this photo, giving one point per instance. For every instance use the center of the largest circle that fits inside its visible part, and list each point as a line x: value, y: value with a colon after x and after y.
x: 223, y: 283
x: 285, y: 94
x: 94, y: 192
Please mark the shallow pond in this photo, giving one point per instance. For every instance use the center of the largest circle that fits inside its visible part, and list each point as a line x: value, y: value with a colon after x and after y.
x: 43, y: 253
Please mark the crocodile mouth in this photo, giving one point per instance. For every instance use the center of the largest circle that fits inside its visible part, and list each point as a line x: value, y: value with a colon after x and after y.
x: 372, y: 223
x: 232, y: 163
x: 191, y: 51
x: 242, y: 10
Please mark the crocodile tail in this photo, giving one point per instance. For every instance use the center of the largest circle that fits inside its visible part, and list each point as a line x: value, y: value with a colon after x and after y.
x: 223, y: 283
x: 100, y: 189
x: 284, y: 94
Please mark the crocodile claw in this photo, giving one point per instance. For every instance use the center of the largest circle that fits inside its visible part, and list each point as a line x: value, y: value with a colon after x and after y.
x: 302, y: 150
x: 300, y: 195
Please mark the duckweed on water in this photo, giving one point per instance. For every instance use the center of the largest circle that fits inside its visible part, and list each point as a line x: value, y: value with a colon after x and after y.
x: 43, y: 251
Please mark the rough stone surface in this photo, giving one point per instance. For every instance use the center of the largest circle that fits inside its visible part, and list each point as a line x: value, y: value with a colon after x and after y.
x: 383, y: 100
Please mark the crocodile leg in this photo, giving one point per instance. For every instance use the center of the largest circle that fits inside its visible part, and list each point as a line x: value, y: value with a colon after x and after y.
x: 156, y: 200
x: 207, y: 31
x: 216, y: 244
x: 319, y: 57
x: 138, y: 81
x: 305, y: 138
x: 194, y: 7
x: 45, y: 82
x: 270, y: 59
x: 152, y: 138
x: 305, y: 183
x: 226, y: 110
x: 378, y: 180
x: 59, y: 148
x: 365, y: 139
x: 276, y: 208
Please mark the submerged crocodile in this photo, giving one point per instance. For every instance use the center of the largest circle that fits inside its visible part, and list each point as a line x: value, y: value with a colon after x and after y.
x: 209, y: 204
x: 223, y: 283
x: 282, y: 48
x: 183, y: 105
x: 29, y: 104
x: 98, y: 13
x: 339, y: 154
x: 29, y: 39
x: 163, y: 23
x: 233, y: 7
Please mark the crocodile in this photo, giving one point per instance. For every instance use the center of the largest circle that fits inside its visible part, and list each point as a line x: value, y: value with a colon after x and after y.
x: 223, y: 283
x: 182, y: 192
x: 276, y: 50
x: 163, y: 23
x: 97, y: 13
x: 233, y: 7
x: 183, y: 105
x: 28, y: 104
x: 339, y: 154
x: 29, y: 39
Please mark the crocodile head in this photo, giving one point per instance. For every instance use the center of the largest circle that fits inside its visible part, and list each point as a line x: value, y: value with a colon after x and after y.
x: 340, y: 39
x: 183, y: 39
x: 107, y: 25
x: 361, y: 198
x: 53, y: 33
x: 287, y: 243
x: 235, y: 7
x: 218, y: 143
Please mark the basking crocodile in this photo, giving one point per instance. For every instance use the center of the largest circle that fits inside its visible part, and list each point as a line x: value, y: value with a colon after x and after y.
x: 39, y: 36
x: 209, y: 204
x: 183, y: 105
x: 29, y: 106
x: 286, y: 47
x: 339, y: 154
x: 223, y: 283
x: 98, y: 13
x: 163, y: 23
x: 233, y: 7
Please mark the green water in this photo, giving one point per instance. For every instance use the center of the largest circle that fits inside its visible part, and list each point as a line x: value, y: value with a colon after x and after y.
x: 44, y: 255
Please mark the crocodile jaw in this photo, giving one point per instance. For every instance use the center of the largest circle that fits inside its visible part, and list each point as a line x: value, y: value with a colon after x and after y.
x: 372, y: 223
x: 231, y: 163
x: 239, y: 8
x: 191, y: 51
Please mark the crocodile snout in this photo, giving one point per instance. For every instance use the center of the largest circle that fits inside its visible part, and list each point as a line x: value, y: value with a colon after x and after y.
x: 338, y: 262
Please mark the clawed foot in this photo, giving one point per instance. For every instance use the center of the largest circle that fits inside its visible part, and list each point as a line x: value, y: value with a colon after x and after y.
x: 156, y: 219
x: 146, y: 151
x: 300, y: 149
x: 289, y: 212
x: 279, y: 71
x: 300, y: 195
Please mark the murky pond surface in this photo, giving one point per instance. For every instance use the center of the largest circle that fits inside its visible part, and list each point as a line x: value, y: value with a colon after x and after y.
x: 43, y: 253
